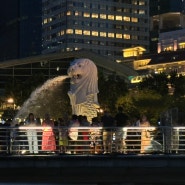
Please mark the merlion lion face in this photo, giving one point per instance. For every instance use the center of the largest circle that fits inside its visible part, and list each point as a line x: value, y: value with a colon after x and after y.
x: 81, y: 69
x: 76, y: 71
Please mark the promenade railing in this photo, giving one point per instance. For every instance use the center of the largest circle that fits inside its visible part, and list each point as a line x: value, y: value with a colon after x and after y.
x: 95, y: 140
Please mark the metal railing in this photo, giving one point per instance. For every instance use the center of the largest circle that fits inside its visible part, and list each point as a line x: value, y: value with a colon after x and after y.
x: 92, y: 140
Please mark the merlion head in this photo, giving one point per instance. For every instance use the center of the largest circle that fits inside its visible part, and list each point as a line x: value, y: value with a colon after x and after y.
x: 84, y: 79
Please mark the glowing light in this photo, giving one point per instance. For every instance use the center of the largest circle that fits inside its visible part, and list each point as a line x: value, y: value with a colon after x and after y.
x: 10, y: 100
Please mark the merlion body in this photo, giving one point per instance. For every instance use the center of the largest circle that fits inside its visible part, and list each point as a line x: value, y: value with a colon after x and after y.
x: 83, y: 88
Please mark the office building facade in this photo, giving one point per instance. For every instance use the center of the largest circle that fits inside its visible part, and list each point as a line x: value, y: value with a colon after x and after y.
x: 102, y: 26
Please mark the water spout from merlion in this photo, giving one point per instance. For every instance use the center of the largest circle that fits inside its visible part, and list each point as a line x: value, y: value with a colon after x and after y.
x: 41, y: 99
x: 83, y: 88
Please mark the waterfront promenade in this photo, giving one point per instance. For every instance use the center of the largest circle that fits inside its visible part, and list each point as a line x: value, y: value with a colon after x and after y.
x: 163, y: 162
x: 147, y: 169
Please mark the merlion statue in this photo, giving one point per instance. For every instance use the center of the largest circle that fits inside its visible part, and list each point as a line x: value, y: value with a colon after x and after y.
x: 83, y: 88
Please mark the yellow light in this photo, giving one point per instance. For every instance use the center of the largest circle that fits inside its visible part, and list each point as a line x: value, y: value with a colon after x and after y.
x: 10, y: 100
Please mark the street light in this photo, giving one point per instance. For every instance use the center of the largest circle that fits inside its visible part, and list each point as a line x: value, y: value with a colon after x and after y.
x: 11, y: 101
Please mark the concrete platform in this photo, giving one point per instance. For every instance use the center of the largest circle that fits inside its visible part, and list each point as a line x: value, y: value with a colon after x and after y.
x: 97, y: 169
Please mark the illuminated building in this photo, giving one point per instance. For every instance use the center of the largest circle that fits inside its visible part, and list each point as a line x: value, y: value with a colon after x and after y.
x: 167, y: 40
x: 166, y: 15
x: 102, y: 26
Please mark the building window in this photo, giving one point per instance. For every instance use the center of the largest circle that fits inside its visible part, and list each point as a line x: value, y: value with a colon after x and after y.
x: 95, y: 33
x: 103, y: 16
x: 69, y: 31
x: 126, y: 36
x: 86, y: 32
x: 134, y: 37
x: 78, y: 32
x: 111, y: 17
x: 86, y: 14
x: 111, y: 35
x: 103, y: 34
x: 133, y: 19
x: 141, y: 11
x: 86, y: 23
x: 119, y: 18
x: 141, y: 3
x: 69, y: 13
x: 94, y: 15
x: 126, y: 10
x: 126, y: 19
x: 134, y: 2
x: 95, y: 42
x: 45, y: 21
x: 77, y: 13
x: 118, y: 35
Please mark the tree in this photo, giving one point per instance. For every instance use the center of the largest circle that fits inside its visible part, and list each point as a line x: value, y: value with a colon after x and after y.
x: 156, y: 82
x: 111, y: 87
x: 146, y: 101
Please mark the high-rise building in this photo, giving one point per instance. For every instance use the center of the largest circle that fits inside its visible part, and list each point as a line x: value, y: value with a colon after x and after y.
x: 20, y: 28
x: 102, y: 26
x: 166, y: 15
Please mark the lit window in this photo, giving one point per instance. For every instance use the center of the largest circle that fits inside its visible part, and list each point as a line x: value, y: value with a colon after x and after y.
x: 86, y: 14
x: 69, y: 31
x: 134, y: 2
x: 86, y: 32
x: 62, y: 32
x: 78, y: 32
x: 141, y: 3
x: 141, y: 11
x: 103, y: 34
x: 103, y: 16
x: 69, y: 13
x: 134, y: 19
x: 76, y: 13
x: 126, y: 36
x: 95, y: 33
x: 94, y: 15
x: 111, y: 35
x: 69, y: 49
x: 118, y: 35
x: 111, y: 17
x: 45, y: 21
x: 126, y: 18
x: 49, y: 19
x: 119, y: 18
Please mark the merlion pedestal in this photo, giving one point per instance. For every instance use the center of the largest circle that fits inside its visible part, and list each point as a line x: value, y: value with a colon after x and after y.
x: 83, y: 88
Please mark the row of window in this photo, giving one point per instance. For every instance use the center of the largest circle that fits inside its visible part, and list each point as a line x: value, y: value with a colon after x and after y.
x: 95, y: 25
x: 96, y: 16
x: 95, y: 33
x: 61, y: 43
x: 89, y: 5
